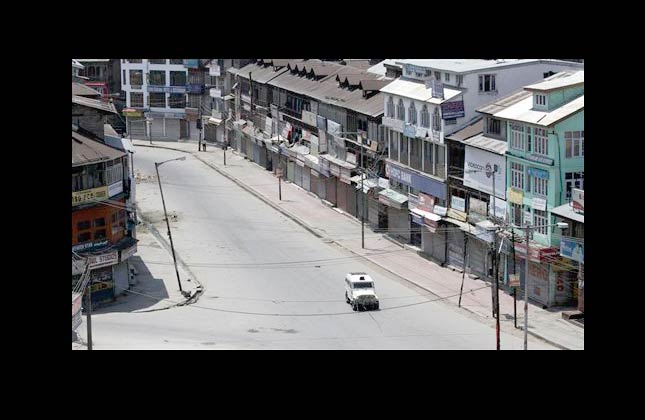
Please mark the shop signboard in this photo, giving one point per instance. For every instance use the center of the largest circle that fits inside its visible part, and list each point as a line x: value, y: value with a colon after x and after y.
x: 89, y: 245
x: 514, y: 280
x: 499, y: 208
x: 409, y: 130
x: 539, y: 203
x: 450, y: 110
x: 115, y: 188
x: 578, y: 199
x: 103, y: 260
x: 128, y: 252
x: 458, y: 203
x: 440, y: 210
x: 309, y: 118
x: 573, y: 249
x: 515, y: 196
x: 419, y: 182
x: 478, y: 171
x: 333, y: 127
x: 457, y: 215
x: 413, y: 201
x: 478, y: 206
x: 540, y: 159
x: 426, y: 202
x: 91, y: 195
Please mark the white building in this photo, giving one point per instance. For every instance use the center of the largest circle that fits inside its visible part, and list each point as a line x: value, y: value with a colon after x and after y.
x: 155, y: 92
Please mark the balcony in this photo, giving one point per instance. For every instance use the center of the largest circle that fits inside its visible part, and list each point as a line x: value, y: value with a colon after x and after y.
x: 215, y: 93
x: 195, y: 88
x: 166, y: 89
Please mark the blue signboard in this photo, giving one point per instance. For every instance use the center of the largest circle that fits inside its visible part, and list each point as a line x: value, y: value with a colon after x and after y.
x: 410, y: 130
x: 572, y: 249
x: 450, y: 110
x: 539, y: 173
x: 412, y: 179
x: 416, y: 219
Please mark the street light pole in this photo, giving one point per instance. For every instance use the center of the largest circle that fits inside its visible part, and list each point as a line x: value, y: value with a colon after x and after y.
x: 526, y: 289
x: 174, y: 258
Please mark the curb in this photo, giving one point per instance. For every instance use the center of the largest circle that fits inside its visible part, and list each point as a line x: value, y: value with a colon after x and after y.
x: 311, y: 230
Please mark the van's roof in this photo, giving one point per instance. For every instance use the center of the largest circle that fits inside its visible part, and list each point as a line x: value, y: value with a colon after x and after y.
x: 356, y: 277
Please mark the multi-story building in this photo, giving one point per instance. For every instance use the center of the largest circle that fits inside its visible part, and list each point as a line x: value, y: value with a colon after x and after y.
x: 155, y: 93
x: 103, y: 75
x: 77, y: 68
x: 545, y: 162
x: 102, y: 223
x: 433, y: 99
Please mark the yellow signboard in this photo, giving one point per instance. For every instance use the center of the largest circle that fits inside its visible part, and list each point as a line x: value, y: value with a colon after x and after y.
x: 515, y: 196
x: 95, y: 194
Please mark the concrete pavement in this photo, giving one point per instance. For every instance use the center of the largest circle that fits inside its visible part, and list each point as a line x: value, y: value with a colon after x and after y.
x: 332, y: 225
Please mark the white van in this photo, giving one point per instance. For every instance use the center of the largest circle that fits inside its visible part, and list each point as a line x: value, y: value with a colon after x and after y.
x: 360, y: 291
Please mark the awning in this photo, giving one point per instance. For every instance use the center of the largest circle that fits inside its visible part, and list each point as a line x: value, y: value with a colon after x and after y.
x: 394, y: 196
x: 463, y: 225
x: 228, y: 97
x: 214, y: 121
x: 426, y: 214
x: 566, y: 211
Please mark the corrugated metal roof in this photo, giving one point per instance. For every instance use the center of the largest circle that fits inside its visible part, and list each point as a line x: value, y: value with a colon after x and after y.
x: 572, y: 79
x: 522, y: 111
x: 259, y: 73
x: 77, y: 65
x: 468, y: 131
x: 566, y: 210
x: 108, y: 130
x: 362, y: 64
x: 417, y: 91
x: 94, y: 103
x: 480, y: 141
x: 80, y: 89
x: 373, y: 84
x: 472, y: 65
x: 86, y: 150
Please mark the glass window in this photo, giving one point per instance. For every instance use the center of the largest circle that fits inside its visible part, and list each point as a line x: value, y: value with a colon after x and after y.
x: 428, y: 148
x: 157, y: 99
x: 157, y: 77
x: 85, y: 224
x: 400, y: 111
x: 412, y: 114
x: 404, y: 150
x: 99, y: 222
x: 394, y: 145
x: 415, y: 153
x: 494, y: 126
x: 99, y: 234
x: 574, y: 180
x: 425, y: 117
x: 437, y: 75
x: 517, y: 137
x: 487, y: 83
x: 135, y: 60
x: 136, y: 99
x: 177, y: 61
x: 157, y: 61
x: 447, y: 76
x: 574, y: 143
x: 540, y: 186
x: 177, y: 78
x: 84, y: 236
x: 177, y: 100
x: 136, y: 77
x: 516, y: 214
x: 436, y: 120
x: 517, y: 175
x: 440, y: 156
x: 539, y: 219
x: 390, y: 107
x: 541, y: 146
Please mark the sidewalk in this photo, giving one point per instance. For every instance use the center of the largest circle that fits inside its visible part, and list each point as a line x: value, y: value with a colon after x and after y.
x: 333, y: 225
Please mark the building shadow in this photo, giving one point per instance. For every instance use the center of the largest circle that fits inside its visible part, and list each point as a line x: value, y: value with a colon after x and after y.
x: 145, y: 292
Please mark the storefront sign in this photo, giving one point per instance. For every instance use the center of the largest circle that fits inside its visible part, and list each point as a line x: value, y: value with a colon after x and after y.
x: 578, y: 199
x: 440, y: 211
x: 458, y: 203
x: 458, y: 215
x: 478, y: 171
x: 419, y: 182
x: 128, y: 252
x: 515, y: 196
x: 539, y: 203
x: 426, y: 202
x: 538, y: 173
x: 115, y: 188
x: 268, y: 125
x: 527, y: 218
x: 540, y: 159
x: 413, y: 201
x: 431, y: 225
x: 309, y: 118
x: 514, y: 280
x: 89, y: 245
x: 478, y: 206
x: 572, y: 249
x: 333, y: 127
x: 409, y: 130
x: 437, y: 88
x: 85, y: 196
x: 334, y: 169
x: 499, y: 208
x: 103, y: 260
x: 450, y: 110
x: 417, y: 219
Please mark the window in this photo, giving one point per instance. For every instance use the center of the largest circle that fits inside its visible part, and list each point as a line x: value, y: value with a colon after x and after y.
x: 516, y: 214
x: 436, y: 120
x: 540, y: 186
x: 425, y: 117
x: 574, y: 180
x: 136, y: 99
x: 390, y: 107
x: 177, y: 61
x: 575, y: 143
x: 83, y: 225
x: 84, y: 236
x: 135, y: 60
x: 125, y: 81
x: 99, y: 222
x: 548, y: 74
x: 539, y: 219
x: 440, y: 157
x: 415, y: 153
x: 494, y: 126
x: 400, y: 111
x: 541, y: 146
x: 412, y: 114
x: 437, y: 75
x: 394, y: 145
x: 540, y: 100
x: 404, y: 150
x: 157, y: 77
x: 157, y: 99
x: 428, y: 157
x: 177, y: 78
x: 99, y: 234
x: 517, y: 175
x: 460, y: 79
x: 136, y: 77
x: 114, y: 172
x: 177, y: 100
x: 517, y: 137
x: 157, y: 61
x: 447, y: 76
x: 487, y: 83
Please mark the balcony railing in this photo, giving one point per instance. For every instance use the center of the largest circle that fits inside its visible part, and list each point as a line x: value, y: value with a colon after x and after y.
x: 167, y: 89
x: 195, y: 88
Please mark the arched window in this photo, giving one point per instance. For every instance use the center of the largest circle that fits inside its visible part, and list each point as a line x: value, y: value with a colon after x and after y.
x: 436, y: 120
x: 390, y: 107
x: 400, y: 111
x: 425, y: 117
x: 412, y: 114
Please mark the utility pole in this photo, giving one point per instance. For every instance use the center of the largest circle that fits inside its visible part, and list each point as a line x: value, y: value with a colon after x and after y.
x: 89, y: 314
x: 526, y: 289
x: 514, y: 288
x: 362, y: 194
x: 463, y: 273
x: 174, y: 258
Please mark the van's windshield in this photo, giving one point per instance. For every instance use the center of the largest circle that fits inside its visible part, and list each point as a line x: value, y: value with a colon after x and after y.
x: 363, y: 285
